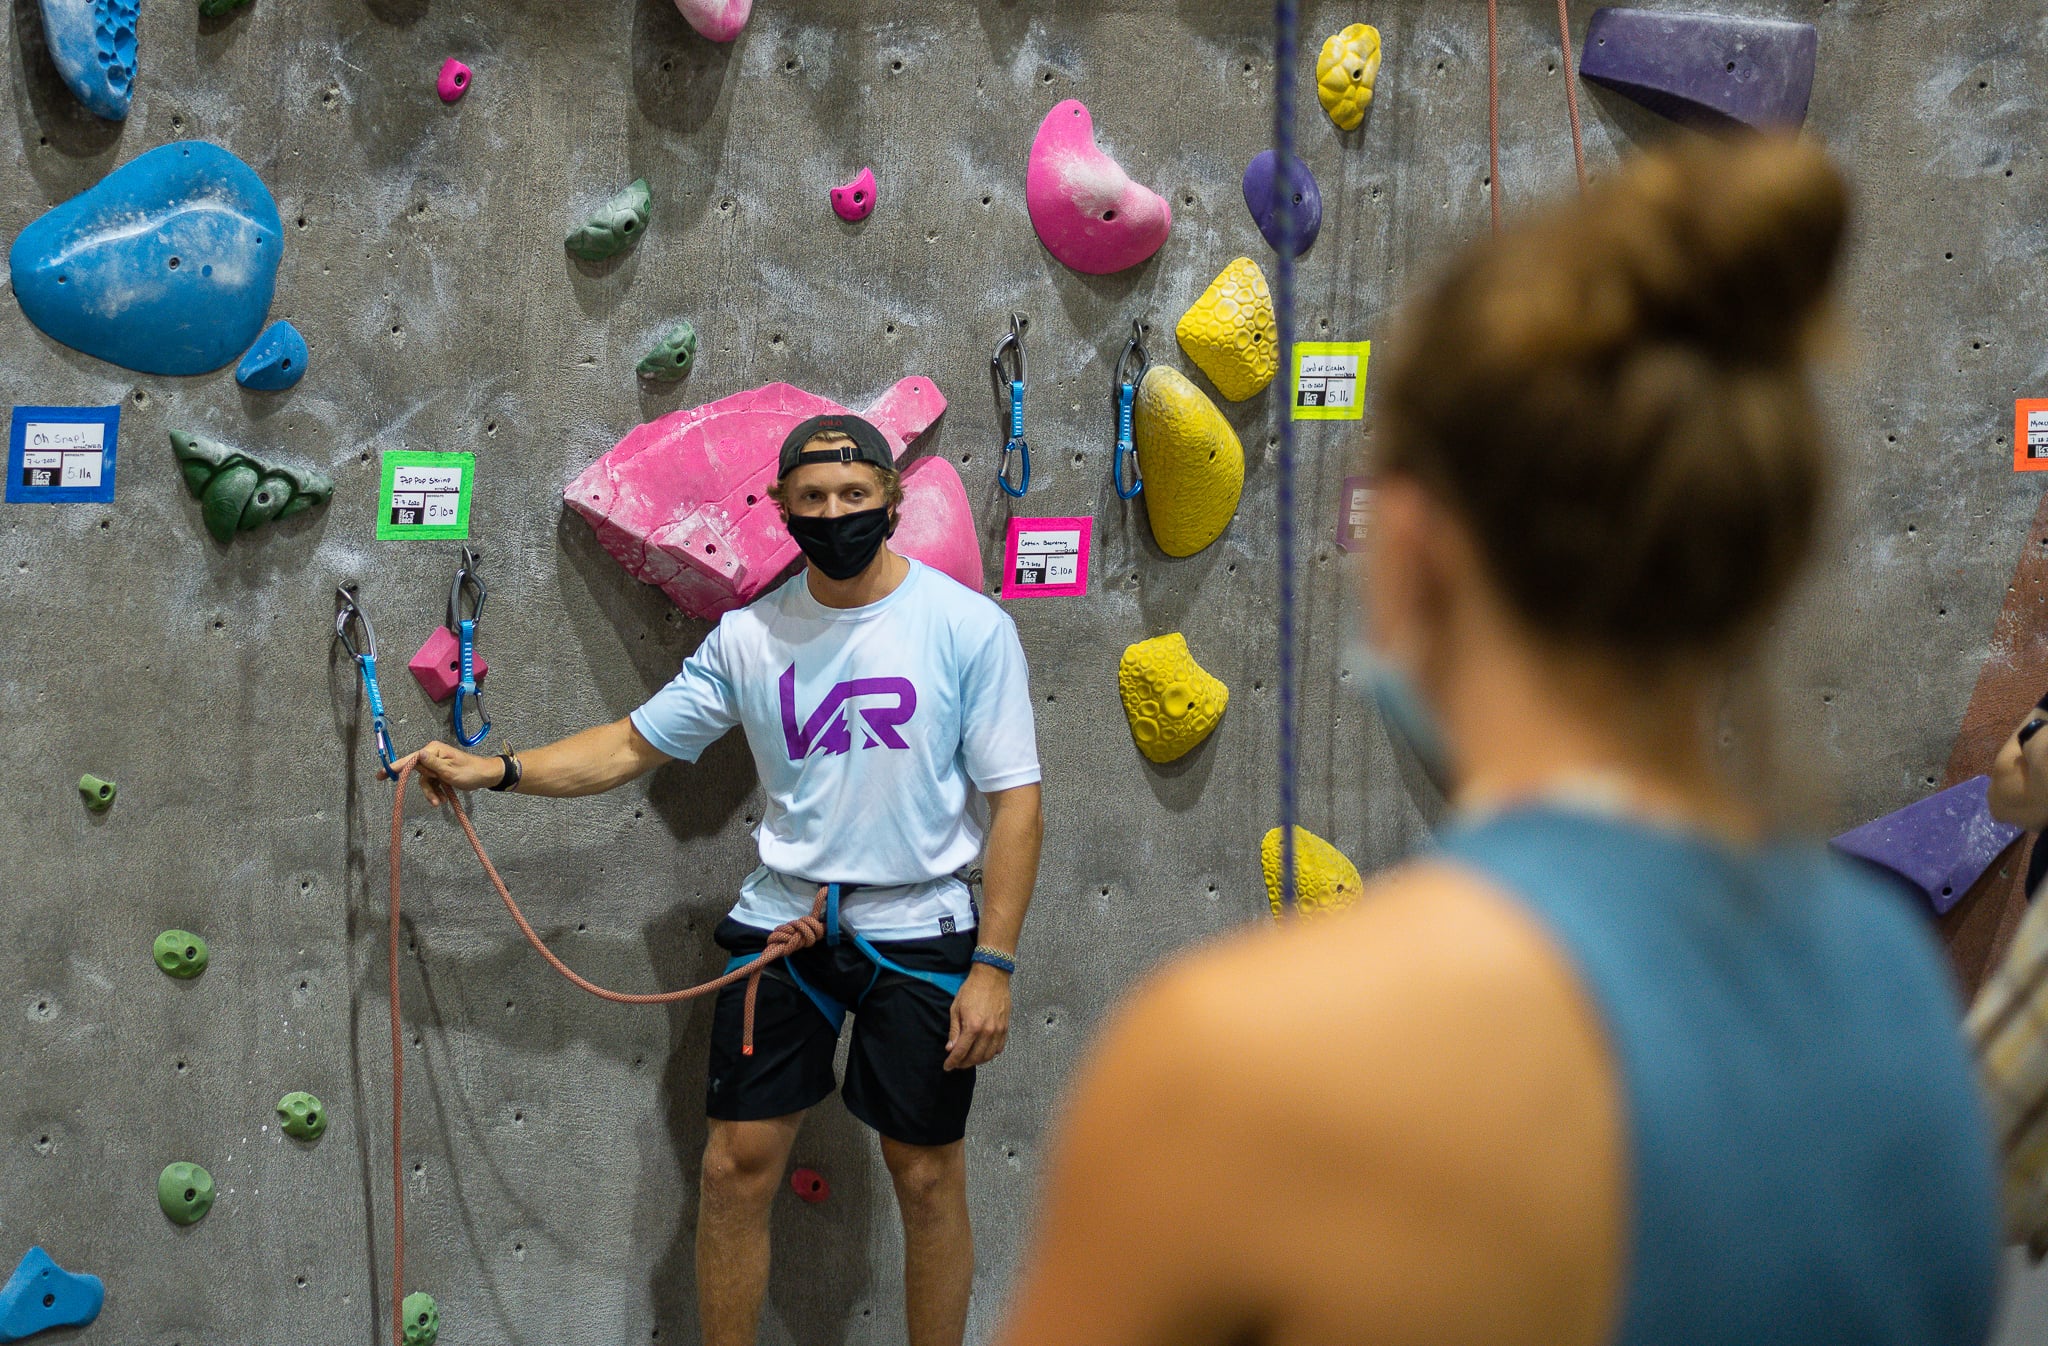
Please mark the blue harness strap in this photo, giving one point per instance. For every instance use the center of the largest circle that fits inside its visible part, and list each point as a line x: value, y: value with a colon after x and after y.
x: 834, y: 1011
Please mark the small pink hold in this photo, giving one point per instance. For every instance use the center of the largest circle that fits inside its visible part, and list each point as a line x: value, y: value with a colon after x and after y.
x: 1087, y: 211
x: 454, y: 81
x: 856, y: 199
x: 438, y: 665
x: 718, y: 20
x: 810, y: 1185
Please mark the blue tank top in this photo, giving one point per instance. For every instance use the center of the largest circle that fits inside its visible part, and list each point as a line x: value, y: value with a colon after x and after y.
x: 1809, y: 1160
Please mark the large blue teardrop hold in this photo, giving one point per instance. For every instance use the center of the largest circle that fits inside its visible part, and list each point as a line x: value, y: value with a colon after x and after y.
x: 42, y: 1295
x: 1305, y: 199
x: 166, y: 266
x: 1705, y: 70
x: 92, y: 44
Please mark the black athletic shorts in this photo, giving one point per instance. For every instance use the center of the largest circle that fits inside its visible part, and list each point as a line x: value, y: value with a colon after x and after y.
x: 896, y: 1080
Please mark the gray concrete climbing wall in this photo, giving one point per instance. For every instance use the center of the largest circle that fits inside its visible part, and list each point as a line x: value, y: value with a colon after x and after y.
x: 552, y: 1139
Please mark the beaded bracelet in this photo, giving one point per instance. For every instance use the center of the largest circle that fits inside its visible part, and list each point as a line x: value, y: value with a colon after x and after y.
x: 994, y: 958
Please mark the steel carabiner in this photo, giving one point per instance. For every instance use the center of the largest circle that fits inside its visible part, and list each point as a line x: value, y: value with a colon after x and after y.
x: 1011, y: 386
x: 346, y: 611
x: 1124, y: 387
x: 464, y: 630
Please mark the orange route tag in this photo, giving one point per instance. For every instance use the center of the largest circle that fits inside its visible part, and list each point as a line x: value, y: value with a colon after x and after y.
x: 2030, y: 434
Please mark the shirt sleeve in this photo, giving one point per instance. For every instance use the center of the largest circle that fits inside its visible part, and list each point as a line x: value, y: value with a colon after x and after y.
x: 696, y: 707
x: 998, y: 736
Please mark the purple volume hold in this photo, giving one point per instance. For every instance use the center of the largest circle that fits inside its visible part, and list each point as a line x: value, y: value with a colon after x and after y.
x: 1705, y: 70
x: 1941, y: 845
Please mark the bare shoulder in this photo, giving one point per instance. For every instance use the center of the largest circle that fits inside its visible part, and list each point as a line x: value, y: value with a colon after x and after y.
x: 1422, y: 1076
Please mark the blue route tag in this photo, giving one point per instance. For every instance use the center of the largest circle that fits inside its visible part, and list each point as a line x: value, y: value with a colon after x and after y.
x: 62, y: 454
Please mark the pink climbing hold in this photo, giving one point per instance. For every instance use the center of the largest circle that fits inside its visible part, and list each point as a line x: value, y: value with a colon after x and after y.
x: 856, y: 200
x: 718, y: 20
x: 1087, y: 211
x: 810, y: 1185
x: 937, y: 523
x: 454, y: 81
x: 438, y: 665
x: 682, y: 502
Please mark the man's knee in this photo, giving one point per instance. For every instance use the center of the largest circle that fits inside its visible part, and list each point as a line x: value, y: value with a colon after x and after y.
x: 743, y: 1160
x: 926, y: 1175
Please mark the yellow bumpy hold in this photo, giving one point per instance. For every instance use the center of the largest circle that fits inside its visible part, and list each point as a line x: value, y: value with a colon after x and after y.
x: 1172, y: 701
x: 1324, y: 881
x: 1231, y: 332
x: 1345, y: 71
x: 1193, y: 464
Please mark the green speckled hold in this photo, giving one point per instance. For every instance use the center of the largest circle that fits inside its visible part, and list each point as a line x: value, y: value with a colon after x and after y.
x: 238, y: 493
x: 614, y: 226
x: 181, y: 953
x: 422, y: 1320
x: 673, y: 357
x: 185, y: 1191
x: 303, y: 1115
x: 98, y: 794
x: 213, y: 9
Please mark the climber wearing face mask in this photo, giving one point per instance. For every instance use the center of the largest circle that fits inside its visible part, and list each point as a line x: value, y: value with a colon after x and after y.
x: 880, y: 698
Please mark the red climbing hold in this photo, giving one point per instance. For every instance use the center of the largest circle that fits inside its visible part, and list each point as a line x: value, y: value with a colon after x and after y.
x: 809, y: 1185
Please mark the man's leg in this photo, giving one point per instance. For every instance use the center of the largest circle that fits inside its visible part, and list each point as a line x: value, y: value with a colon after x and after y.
x: 743, y: 1164
x: 938, y: 1246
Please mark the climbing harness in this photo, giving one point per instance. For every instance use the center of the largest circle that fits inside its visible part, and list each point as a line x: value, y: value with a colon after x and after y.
x: 833, y: 1009
x: 464, y: 630
x: 346, y: 611
x: 999, y: 372
x: 783, y: 940
x: 1130, y: 372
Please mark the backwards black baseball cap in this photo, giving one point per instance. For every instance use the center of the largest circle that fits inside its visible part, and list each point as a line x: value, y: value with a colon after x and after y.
x: 867, y: 445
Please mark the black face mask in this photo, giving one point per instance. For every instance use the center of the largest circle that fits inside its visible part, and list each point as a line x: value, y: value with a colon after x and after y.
x: 844, y: 545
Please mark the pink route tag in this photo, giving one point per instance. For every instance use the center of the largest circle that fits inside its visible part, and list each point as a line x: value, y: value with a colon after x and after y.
x: 1047, y: 558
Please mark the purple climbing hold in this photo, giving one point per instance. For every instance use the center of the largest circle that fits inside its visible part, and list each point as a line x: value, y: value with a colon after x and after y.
x: 1705, y: 70
x: 41, y: 1295
x: 1941, y: 845
x: 1306, y: 200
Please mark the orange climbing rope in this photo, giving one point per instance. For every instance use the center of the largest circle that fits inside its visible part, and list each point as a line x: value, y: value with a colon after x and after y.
x: 1571, y: 100
x: 783, y: 941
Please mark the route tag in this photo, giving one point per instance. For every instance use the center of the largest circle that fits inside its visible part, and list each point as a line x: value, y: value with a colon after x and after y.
x: 425, y: 495
x: 1329, y: 380
x: 62, y: 454
x: 1047, y: 558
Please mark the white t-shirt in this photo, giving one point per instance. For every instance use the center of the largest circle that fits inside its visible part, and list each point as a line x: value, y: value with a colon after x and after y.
x: 868, y: 727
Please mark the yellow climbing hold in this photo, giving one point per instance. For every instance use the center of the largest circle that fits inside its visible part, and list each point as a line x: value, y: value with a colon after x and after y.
x: 1345, y: 71
x: 1193, y: 464
x: 1231, y: 333
x: 1172, y: 701
x: 1324, y: 881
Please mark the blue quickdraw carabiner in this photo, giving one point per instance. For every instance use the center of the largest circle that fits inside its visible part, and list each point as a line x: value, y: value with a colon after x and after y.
x: 1012, y: 344
x: 464, y: 629
x: 347, y: 610
x: 1125, y: 387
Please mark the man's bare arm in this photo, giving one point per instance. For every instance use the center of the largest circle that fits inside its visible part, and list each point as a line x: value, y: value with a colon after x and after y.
x: 596, y: 760
x: 981, y: 1012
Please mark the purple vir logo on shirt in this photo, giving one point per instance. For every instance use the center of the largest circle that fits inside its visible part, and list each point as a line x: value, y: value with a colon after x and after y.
x: 829, y: 727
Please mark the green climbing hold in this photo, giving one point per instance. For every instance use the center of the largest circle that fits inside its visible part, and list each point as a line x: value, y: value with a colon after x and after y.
x: 238, y: 493
x: 673, y: 357
x: 422, y: 1320
x: 181, y: 953
x: 213, y: 9
x: 98, y: 794
x: 614, y: 226
x: 185, y: 1191
x: 303, y: 1115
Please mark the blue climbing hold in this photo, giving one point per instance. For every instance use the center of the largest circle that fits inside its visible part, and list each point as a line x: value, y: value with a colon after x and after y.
x: 276, y: 361
x: 1305, y: 200
x: 1705, y: 70
x: 92, y: 43
x: 166, y: 266
x: 41, y: 1295
x: 1941, y: 844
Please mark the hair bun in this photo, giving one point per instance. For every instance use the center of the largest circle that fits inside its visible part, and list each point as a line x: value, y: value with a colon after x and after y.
x: 1732, y: 243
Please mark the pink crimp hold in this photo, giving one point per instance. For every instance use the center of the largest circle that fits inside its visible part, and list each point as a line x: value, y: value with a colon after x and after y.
x: 454, y: 81
x: 856, y: 199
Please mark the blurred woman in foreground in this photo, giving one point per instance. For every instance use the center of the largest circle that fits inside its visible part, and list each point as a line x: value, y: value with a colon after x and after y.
x: 1620, y: 1061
